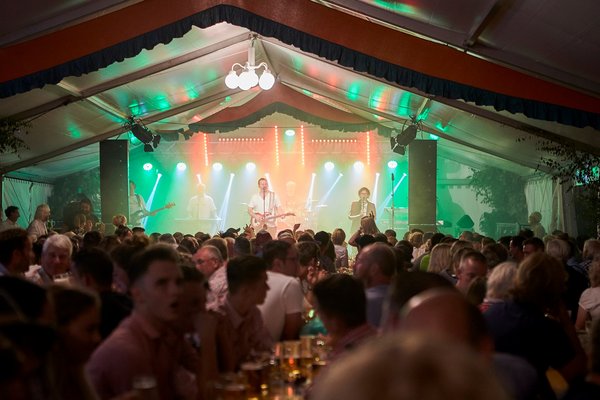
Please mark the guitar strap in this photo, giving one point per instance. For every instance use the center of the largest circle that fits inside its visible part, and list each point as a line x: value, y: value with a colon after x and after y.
x: 139, y: 201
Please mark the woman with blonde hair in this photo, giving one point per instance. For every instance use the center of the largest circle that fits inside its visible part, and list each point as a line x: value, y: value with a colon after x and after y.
x: 535, y: 324
x: 589, y: 303
x: 440, y: 258
x: 499, y: 284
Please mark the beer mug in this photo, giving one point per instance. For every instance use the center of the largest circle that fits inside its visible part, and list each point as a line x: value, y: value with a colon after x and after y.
x: 255, y: 374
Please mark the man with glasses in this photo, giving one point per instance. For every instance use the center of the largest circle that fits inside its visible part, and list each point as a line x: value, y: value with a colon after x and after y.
x: 209, y: 261
x: 282, y: 309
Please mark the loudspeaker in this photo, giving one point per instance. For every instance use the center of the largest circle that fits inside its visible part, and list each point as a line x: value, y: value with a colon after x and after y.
x: 465, y: 222
x: 422, y: 184
x: 114, y: 179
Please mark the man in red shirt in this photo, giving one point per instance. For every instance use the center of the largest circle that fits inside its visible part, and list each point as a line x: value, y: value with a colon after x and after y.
x: 144, y: 348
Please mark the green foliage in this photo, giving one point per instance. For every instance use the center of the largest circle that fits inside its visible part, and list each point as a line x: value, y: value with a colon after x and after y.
x: 504, y: 193
x: 10, y: 142
x: 574, y: 167
x: 73, y: 188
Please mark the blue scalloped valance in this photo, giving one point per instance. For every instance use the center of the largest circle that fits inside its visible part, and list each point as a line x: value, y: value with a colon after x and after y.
x: 309, y: 43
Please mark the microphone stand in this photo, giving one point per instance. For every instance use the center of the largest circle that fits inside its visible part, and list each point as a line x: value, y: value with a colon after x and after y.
x: 393, y: 190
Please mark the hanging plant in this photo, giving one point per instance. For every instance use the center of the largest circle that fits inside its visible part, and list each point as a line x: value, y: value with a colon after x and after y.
x: 10, y: 142
x: 574, y: 168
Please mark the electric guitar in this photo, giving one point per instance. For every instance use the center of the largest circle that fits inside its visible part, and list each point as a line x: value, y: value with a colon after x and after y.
x: 136, y: 216
x: 261, y: 221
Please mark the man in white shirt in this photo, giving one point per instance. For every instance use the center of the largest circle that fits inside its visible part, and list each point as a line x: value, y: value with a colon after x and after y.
x: 282, y: 309
x: 137, y: 206
x: 38, y: 227
x: 202, y: 205
x: 12, y: 215
x: 264, y: 208
x: 55, y: 260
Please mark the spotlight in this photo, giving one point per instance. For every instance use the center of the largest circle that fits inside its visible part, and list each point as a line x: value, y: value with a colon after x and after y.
x: 329, y: 166
x: 141, y: 133
x: 403, y: 139
x: 406, y: 136
x: 290, y: 132
x: 392, y: 164
x: 155, y: 141
x: 359, y: 166
x: 217, y: 166
x: 147, y: 166
x: 250, y: 166
x: 181, y: 166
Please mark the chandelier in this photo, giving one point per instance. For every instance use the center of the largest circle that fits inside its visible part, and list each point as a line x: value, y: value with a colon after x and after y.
x: 248, y: 78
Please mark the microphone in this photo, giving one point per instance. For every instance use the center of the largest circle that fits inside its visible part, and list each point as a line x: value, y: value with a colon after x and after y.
x: 392, y: 176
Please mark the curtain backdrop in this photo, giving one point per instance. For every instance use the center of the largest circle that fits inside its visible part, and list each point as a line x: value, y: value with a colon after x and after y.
x: 539, y: 194
x: 563, y: 210
x: 26, y: 195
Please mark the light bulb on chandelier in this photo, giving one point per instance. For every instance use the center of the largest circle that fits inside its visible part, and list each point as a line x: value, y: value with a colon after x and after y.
x: 248, y: 78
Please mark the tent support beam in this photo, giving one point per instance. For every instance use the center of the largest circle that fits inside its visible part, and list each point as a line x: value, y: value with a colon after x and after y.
x: 521, y: 126
x: 447, y: 137
x: 466, y: 107
x: 116, y: 131
x: 122, y: 80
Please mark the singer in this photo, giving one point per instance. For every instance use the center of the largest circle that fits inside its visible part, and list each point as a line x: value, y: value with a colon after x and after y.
x: 361, y: 208
x: 264, y: 208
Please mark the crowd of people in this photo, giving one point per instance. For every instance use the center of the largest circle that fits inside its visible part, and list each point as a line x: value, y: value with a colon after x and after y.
x: 87, y: 315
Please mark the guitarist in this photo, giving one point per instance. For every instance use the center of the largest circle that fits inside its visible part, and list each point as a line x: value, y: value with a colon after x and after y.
x: 263, y: 205
x: 138, y: 210
x: 137, y: 206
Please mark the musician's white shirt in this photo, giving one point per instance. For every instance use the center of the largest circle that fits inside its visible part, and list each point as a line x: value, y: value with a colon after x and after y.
x: 267, y: 206
x: 202, y: 207
x: 136, y: 203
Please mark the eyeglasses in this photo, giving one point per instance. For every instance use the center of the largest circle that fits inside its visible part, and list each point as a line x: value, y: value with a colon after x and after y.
x: 201, y: 261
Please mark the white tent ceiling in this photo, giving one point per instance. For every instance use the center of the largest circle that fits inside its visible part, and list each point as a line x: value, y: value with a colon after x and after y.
x: 173, y: 85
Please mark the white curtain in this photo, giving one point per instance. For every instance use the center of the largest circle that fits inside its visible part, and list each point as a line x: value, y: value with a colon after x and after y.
x: 564, y: 210
x: 26, y: 195
x: 539, y: 194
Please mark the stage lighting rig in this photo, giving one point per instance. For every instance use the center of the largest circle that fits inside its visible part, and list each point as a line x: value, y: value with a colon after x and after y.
x: 399, y: 142
x: 143, y: 134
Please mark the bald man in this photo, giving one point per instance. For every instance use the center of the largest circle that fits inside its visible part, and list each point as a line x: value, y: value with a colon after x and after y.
x: 375, y: 266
